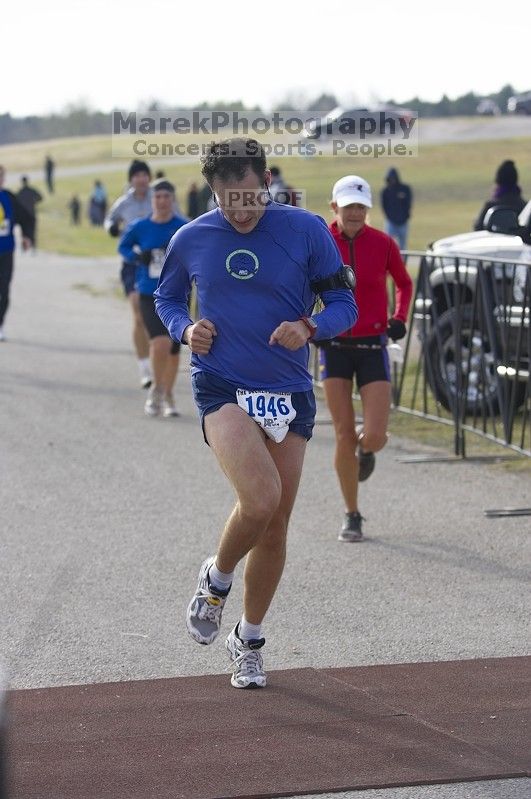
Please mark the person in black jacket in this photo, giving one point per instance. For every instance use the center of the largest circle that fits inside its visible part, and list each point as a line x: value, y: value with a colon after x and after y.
x: 192, y: 208
x: 29, y: 197
x: 11, y: 213
x: 49, y: 169
x: 506, y: 192
x: 396, y: 200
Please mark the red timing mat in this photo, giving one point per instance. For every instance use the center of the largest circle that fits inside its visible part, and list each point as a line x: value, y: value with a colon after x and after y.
x: 309, y: 731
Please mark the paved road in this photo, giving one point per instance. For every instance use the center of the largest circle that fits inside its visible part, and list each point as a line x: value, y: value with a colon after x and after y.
x: 488, y: 789
x: 106, y: 516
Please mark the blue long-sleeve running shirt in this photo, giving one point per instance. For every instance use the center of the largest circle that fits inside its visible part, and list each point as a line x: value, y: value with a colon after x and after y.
x: 247, y: 284
x: 142, y: 235
x: 12, y: 213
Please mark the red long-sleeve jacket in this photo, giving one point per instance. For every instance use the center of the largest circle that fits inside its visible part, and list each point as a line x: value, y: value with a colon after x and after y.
x: 373, y: 256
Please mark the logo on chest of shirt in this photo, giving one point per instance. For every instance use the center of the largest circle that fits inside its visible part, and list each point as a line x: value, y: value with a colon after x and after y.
x: 242, y: 264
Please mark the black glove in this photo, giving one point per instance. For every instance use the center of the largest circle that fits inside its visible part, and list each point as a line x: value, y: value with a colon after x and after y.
x: 145, y: 257
x: 114, y: 230
x: 396, y: 329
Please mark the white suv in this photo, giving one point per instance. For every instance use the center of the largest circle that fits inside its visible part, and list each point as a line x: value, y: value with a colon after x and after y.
x: 501, y: 238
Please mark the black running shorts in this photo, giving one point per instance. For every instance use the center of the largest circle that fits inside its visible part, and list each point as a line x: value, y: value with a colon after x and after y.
x: 365, y: 358
x: 152, y: 321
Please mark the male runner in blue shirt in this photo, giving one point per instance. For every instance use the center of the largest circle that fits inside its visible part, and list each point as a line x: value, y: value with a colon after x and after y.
x: 144, y: 245
x: 253, y: 262
x: 12, y: 213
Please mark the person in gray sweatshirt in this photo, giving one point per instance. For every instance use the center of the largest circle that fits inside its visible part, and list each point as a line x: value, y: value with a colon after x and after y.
x: 134, y: 204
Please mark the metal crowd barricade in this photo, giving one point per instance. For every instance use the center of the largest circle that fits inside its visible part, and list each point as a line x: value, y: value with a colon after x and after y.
x: 467, y: 351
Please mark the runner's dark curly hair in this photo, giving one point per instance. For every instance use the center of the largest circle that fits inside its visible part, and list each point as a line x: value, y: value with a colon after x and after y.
x: 231, y: 158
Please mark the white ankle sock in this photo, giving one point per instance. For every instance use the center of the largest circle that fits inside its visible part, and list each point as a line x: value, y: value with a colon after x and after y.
x: 220, y: 580
x: 144, y: 365
x: 247, y: 631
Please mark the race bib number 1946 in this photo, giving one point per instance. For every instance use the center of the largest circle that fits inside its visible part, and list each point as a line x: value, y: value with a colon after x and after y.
x: 272, y: 411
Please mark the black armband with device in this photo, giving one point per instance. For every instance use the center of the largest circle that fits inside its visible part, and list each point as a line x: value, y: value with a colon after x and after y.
x: 344, y: 278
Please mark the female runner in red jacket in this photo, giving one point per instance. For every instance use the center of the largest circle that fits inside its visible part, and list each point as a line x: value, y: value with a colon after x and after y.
x: 361, y: 351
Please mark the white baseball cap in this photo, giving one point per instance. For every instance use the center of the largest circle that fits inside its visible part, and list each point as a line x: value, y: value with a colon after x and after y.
x: 352, y: 189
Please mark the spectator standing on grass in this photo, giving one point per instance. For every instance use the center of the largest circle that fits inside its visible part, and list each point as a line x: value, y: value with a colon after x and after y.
x: 134, y: 204
x: 506, y: 192
x: 12, y: 213
x: 144, y: 244
x: 98, y: 204
x: 49, y: 171
x: 279, y: 190
x: 396, y: 200
x: 192, y: 206
x: 252, y: 262
x: 75, y: 210
x: 361, y: 351
x: 204, y: 198
x: 29, y: 198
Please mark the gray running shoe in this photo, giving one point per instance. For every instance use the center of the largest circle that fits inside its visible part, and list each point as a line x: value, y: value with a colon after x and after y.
x: 247, y: 662
x: 168, y: 407
x: 153, y: 404
x: 367, y: 462
x: 203, y: 617
x: 351, y: 530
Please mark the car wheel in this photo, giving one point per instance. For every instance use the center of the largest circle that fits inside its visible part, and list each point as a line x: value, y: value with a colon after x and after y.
x: 469, y: 362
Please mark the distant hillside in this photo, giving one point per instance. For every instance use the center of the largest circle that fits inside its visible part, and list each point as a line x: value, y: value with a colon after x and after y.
x: 81, y: 121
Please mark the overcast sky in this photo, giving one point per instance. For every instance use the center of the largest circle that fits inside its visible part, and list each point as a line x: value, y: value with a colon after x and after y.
x: 110, y: 53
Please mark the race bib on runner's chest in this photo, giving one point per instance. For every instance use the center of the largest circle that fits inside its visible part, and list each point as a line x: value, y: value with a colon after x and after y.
x: 272, y: 411
x: 156, y: 263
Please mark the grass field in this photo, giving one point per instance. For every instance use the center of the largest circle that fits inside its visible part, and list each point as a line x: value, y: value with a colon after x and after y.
x: 450, y: 183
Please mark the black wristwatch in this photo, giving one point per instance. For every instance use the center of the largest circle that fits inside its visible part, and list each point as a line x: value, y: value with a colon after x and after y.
x: 310, y: 324
x: 344, y: 278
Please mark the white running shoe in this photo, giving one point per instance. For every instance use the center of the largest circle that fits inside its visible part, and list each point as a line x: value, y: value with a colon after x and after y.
x: 247, y: 662
x: 153, y: 404
x: 203, y: 617
x: 168, y: 407
x: 146, y: 378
